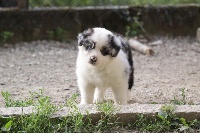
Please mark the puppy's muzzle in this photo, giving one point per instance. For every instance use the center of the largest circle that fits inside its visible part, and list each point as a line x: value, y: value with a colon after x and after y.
x: 93, y: 59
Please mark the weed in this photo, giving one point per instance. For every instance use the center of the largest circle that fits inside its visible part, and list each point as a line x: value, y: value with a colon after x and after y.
x: 5, y: 123
x: 108, y: 118
x: 135, y: 28
x: 6, y: 36
x: 107, y: 108
x: 166, y: 121
x: 75, y: 121
x: 167, y: 116
x: 57, y: 34
x: 50, y: 34
x: 146, y: 125
x: 161, y: 124
x: 39, y: 121
x: 9, y: 102
x: 183, y: 99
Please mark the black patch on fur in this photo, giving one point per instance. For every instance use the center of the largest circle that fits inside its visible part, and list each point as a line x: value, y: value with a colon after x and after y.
x: 131, y: 76
x: 105, y: 51
x: 84, y: 40
x: 126, y: 49
x: 113, y: 47
x: 83, y: 37
x: 85, y: 34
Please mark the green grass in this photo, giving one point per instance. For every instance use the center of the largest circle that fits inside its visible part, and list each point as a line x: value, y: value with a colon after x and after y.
x: 108, y: 119
x: 166, y: 121
x: 135, y: 27
x: 183, y: 98
x: 6, y: 36
x: 36, y: 122
x: 41, y: 122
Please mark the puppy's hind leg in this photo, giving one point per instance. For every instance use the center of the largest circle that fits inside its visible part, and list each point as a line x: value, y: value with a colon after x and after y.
x: 87, y: 93
x: 128, y: 95
x: 120, y: 94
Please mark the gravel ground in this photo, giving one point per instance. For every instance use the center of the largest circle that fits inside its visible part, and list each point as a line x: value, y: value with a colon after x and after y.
x: 50, y: 65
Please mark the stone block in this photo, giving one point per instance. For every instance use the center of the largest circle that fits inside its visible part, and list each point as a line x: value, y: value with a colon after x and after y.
x: 125, y: 113
x: 198, y: 34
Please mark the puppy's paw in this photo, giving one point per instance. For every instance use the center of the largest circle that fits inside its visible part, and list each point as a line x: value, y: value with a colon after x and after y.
x: 86, y: 102
x: 83, y: 103
x: 98, y: 100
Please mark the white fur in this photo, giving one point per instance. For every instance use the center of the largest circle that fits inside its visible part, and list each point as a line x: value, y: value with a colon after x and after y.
x: 108, y: 72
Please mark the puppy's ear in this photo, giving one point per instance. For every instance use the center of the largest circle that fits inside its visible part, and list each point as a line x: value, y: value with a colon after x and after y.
x: 80, y: 37
x: 115, y: 48
x: 84, y: 35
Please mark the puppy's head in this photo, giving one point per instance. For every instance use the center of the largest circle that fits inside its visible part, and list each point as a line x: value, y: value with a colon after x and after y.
x: 98, y: 46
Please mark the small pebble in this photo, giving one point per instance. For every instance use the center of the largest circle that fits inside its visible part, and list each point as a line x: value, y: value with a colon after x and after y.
x: 2, y: 83
x: 66, y: 89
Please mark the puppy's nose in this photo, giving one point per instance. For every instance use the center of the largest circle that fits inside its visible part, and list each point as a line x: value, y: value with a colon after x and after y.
x: 93, y: 59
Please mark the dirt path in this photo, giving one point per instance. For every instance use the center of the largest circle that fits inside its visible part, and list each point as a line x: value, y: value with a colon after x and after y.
x: 51, y: 66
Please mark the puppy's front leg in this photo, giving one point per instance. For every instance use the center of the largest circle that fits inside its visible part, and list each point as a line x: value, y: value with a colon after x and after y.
x: 87, y: 93
x: 99, y: 95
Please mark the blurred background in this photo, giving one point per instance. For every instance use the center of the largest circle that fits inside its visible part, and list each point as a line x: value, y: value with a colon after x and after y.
x: 47, y: 3
x: 38, y: 49
x: 62, y: 20
x: 39, y: 3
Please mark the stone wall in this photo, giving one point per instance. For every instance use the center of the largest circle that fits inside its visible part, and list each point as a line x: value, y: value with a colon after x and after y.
x: 171, y: 20
x: 59, y: 23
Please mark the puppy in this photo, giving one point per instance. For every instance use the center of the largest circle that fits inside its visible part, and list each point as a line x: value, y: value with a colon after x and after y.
x: 104, y: 61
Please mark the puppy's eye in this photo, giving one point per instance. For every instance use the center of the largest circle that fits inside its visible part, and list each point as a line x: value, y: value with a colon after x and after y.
x: 90, y: 46
x: 105, y: 51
